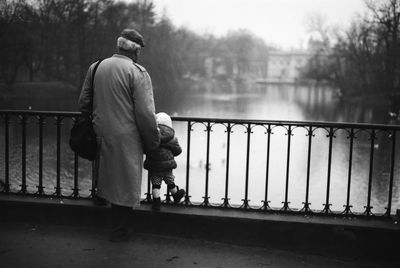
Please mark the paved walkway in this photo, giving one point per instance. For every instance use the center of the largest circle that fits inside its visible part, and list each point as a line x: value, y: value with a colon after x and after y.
x: 50, y: 245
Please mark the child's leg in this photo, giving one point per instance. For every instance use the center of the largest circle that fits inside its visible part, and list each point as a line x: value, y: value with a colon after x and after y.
x: 156, y: 185
x: 170, y: 181
x: 176, y: 193
x: 156, y: 191
x: 172, y: 188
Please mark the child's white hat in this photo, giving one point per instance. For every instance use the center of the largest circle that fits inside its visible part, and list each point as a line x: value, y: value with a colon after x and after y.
x: 164, y: 119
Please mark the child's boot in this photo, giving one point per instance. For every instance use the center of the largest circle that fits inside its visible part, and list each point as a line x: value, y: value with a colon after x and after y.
x: 156, y: 204
x: 178, y: 195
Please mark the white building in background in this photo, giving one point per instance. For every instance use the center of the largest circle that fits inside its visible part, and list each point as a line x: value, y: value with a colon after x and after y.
x: 275, y: 67
x: 285, y: 66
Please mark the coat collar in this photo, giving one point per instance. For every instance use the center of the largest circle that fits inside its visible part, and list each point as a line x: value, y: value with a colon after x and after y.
x: 122, y: 57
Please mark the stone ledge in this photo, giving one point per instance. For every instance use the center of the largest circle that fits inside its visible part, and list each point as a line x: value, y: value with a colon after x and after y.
x: 349, y: 238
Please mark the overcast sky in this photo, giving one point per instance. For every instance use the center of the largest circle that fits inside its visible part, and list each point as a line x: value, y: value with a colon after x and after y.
x: 278, y: 22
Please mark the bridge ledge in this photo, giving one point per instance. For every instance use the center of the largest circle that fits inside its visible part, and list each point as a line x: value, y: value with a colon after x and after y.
x: 370, y: 238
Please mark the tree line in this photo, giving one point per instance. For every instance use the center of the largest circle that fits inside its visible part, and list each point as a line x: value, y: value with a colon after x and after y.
x: 56, y: 40
x: 365, y: 59
x: 47, y: 40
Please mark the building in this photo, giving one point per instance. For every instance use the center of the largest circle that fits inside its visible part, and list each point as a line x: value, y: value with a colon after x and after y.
x: 285, y: 66
x: 276, y: 67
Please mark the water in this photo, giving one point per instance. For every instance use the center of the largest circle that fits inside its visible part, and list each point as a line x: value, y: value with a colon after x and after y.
x: 286, y: 103
x: 49, y: 158
x: 261, y: 102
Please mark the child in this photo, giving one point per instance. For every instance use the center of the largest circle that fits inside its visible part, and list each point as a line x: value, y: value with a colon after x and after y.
x: 161, y: 162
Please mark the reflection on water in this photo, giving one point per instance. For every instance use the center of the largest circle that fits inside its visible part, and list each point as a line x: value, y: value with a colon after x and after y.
x: 271, y: 103
x: 280, y: 102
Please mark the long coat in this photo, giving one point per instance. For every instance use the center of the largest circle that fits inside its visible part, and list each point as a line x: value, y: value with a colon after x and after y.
x: 162, y: 158
x: 125, y: 125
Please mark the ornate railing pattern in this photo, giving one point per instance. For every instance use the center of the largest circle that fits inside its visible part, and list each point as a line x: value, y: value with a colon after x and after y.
x: 327, y: 129
x: 41, y: 119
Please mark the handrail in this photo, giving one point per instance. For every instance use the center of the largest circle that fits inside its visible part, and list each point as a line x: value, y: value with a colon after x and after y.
x: 223, y: 120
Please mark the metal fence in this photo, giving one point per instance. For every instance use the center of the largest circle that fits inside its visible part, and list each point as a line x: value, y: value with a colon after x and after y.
x: 378, y: 145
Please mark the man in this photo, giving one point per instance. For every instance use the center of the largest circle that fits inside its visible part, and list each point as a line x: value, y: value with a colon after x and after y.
x: 125, y: 125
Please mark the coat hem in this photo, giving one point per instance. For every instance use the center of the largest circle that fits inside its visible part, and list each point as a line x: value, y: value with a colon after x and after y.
x: 118, y: 203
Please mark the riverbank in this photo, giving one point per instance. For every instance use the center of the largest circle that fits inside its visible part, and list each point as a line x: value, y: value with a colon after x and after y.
x: 266, y: 103
x: 47, y: 96
x: 50, y: 96
x: 371, y: 100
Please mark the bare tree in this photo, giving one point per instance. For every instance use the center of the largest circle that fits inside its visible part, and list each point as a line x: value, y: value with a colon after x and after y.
x: 12, y: 22
x: 386, y: 17
x: 365, y: 58
x: 316, y: 24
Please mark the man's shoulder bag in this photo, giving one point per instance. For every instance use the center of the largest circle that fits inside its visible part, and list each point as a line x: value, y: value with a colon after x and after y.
x: 82, y: 137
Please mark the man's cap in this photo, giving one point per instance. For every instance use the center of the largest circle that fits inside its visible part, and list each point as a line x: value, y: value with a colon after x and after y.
x: 133, y: 35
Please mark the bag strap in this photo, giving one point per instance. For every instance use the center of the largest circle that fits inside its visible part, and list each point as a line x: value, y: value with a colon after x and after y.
x: 92, y: 85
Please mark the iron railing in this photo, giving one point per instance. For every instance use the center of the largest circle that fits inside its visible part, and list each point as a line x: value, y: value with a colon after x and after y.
x: 387, y: 134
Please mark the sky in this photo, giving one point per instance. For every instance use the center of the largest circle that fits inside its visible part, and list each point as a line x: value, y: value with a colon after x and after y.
x: 279, y: 22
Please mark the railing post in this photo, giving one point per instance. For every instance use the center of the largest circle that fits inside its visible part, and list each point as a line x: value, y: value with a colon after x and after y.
x: 286, y: 202
x: 368, y: 207
x: 7, y: 154
x: 167, y: 197
x: 327, y: 205
x: 206, y: 202
x: 347, y: 210
x: 40, y: 186
x: 306, y: 208
x: 266, y: 201
x: 246, y: 200
x: 23, y: 185
x: 75, y: 190
x: 187, y: 196
x: 148, y: 198
x: 226, y: 204
x: 95, y: 169
x: 392, y: 163
x: 58, y: 182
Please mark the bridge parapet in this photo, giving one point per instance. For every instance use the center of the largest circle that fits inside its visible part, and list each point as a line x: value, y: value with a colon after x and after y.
x: 367, y: 239
x: 252, y: 165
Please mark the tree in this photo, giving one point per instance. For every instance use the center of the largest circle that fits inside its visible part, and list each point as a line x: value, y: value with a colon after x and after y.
x: 386, y: 18
x: 12, y: 38
x: 366, y: 57
x: 59, y: 39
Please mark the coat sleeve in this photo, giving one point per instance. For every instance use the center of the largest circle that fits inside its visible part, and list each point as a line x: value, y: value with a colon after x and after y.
x: 84, y: 97
x: 174, y: 146
x: 145, y: 111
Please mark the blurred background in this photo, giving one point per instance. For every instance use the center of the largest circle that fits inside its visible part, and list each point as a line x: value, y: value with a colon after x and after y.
x: 303, y: 60
x: 260, y: 59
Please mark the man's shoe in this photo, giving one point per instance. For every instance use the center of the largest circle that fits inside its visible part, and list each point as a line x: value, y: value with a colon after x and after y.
x: 156, y: 204
x: 178, y: 195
